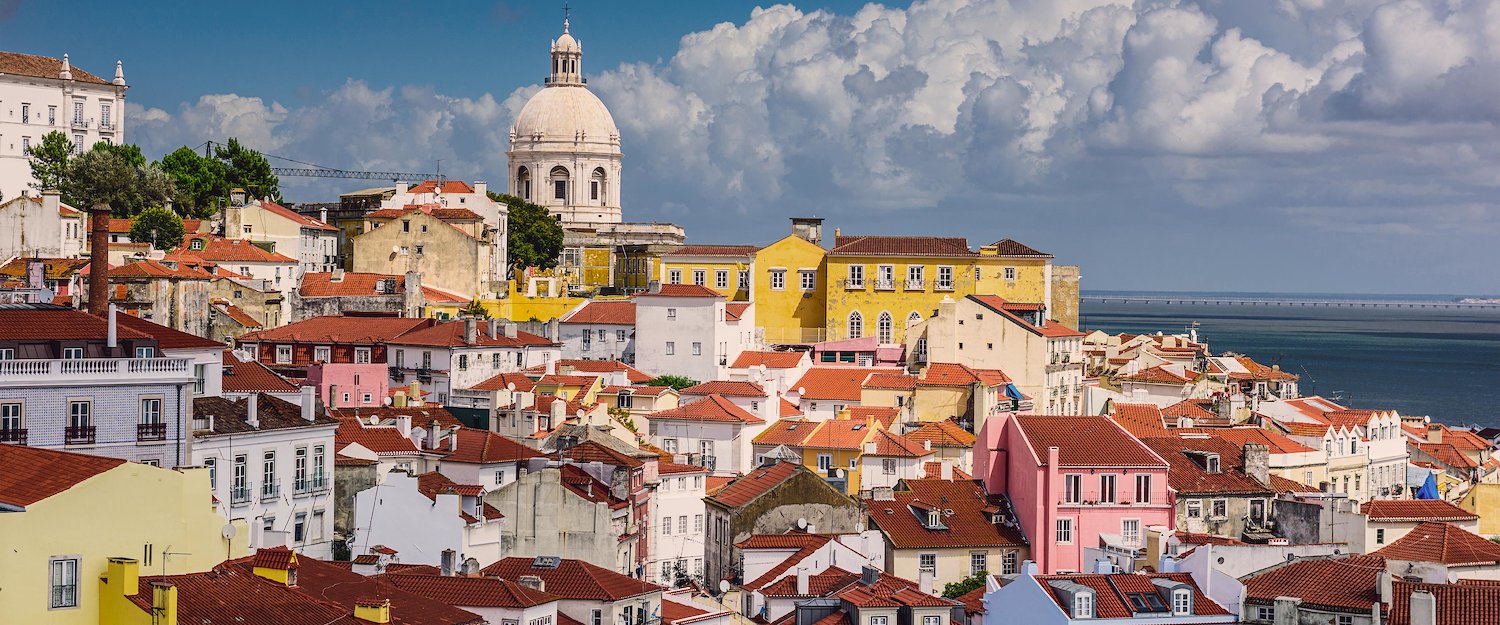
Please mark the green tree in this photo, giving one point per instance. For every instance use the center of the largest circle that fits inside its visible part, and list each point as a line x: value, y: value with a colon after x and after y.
x: 200, y: 180
x: 956, y: 589
x: 161, y: 227
x: 678, y: 382
x: 106, y: 176
x: 128, y: 151
x: 475, y: 309
x: 535, y: 238
x: 49, y: 161
x: 249, y: 170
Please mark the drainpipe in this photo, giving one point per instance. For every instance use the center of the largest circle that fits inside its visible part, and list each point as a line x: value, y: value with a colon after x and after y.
x: 1047, y: 532
x: 112, y: 339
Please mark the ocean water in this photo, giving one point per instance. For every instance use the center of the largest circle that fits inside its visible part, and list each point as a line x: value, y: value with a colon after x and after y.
x: 1443, y: 363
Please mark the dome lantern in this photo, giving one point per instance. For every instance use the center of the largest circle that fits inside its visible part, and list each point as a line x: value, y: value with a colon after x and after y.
x: 566, y: 55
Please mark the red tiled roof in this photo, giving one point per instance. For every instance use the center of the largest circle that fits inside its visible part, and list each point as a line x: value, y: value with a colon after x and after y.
x: 1187, y: 477
x: 1447, y: 454
x: 934, y: 471
x: 448, y: 186
x: 353, y: 284
x: 888, y: 444
x: 1139, y: 419
x: 1344, y: 583
x: 846, y: 434
x: 1432, y: 541
x: 665, y: 467
x: 891, y: 382
x: 379, y: 439
x: 786, y: 432
x: 37, y: 66
x: 714, y: 250
x: 242, y: 376
x: 1008, y: 309
x: 734, y: 311
x: 584, y: 381
x: 222, y: 250
x: 593, y: 451
x: 947, y: 374
x: 973, y: 600
x: 431, y: 484
x: 1190, y: 538
x: 58, y: 324
x: 301, y: 220
x: 451, y: 334
x: 485, y: 447
x: 459, y: 591
x: 52, y: 268
x: 612, y: 312
x: 804, y: 544
x: 340, y: 329
x: 421, y: 416
x: 574, y: 579
x: 710, y: 408
x: 725, y: 388
x: 1469, y: 602
x: 681, y: 290
x: 758, y: 482
x: 236, y: 313
x: 149, y: 268
x: 1193, y: 409
x: 904, y: 519
x: 31, y: 474
x: 771, y: 360
x: 789, y: 409
x: 849, y: 245
x: 651, y: 391
x: 501, y: 382
x: 943, y: 433
x: 836, y: 382
x: 1156, y: 375
x: 1415, y: 510
x: 1284, y: 485
x: 1085, y: 441
x: 166, y: 337
x: 886, y: 415
x: 1110, y: 591
x: 1257, y: 371
x: 1011, y: 247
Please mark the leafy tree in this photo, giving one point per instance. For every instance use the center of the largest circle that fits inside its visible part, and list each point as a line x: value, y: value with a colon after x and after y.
x: 535, y: 238
x: 249, y: 170
x: 49, y: 160
x: 956, y: 589
x: 109, y: 177
x: 128, y: 151
x: 677, y: 382
x: 475, y: 309
x: 161, y: 227
x: 201, y: 181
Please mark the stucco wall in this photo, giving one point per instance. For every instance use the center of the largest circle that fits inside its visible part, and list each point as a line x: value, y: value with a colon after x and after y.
x: 542, y: 518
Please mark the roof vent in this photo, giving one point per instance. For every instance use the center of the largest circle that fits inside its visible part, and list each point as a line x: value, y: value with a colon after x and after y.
x: 533, y: 582
x: 546, y: 562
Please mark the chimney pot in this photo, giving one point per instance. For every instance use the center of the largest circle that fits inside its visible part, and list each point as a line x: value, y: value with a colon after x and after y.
x: 252, y: 411
x: 309, y: 404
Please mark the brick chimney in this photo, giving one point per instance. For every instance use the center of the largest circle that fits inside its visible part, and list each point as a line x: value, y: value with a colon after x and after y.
x: 98, y: 259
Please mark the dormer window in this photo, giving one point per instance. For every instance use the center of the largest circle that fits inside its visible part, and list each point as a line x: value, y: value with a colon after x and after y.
x: 934, y: 519
x: 1182, y: 602
x: 1211, y: 463
x: 1083, y: 605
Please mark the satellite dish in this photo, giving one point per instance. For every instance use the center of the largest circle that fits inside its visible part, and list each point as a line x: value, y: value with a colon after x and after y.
x: 229, y: 531
x: 840, y: 473
x: 395, y: 249
x: 387, y: 400
x: 801, y: 524
x: 723, y: 585
x: 510, y: 386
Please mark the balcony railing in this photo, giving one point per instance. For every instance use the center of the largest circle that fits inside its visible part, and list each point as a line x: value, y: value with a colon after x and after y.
x: 851, y: 284
x: 943, y: 286
x: 269, y: 491
x: 80, y: 123
x: 310, y: 484
x: 13, y: 435
x: 916, y: 285
x: 79, y: 435
x: 702, y: 460
x: 885, y: 285
x: 239, y: 495
x: 151, y: 431
x: 106, y: 125
x: 91, y: 370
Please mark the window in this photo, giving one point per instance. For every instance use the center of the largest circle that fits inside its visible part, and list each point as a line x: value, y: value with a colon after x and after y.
x: 682, y: 524
x: 598, y: 618
x: 151, y: 410
x: 1380, y: 536
x: 721, y: 278
x: 1008, y: 563
x: 283, y: 354
x: 932, y: 620
x: 72, y: 353
x: 1211, y: 463
x: 1220, y: 509
x: 268, y: 474
x: 299, y: 469
x: 10, y: 416
x: 979, y: 562
x: 856, y: 276
x: 1107, y: 488
x: 1010, y: 273
x: 885, y: 276
x: 914, y: 276
x: 619, y: 336
x: 884, y: 327
x: 145, y: 352
x: 878, y: 620
x: 318, y: 466
x: 1072, y: 488
x: 808, y: 278
x: 674, y: 276
x: 671, y: 348
x: 671, y: 313
x: 51, y: 116
x: 1130, y: 531
x: 927, y: 562
x: 697, y: 348
x: 1194, y: 509
x: 945, y: 277
x: 213, y: 474
x: 825, y: 461
x: 104, y: 115
x: 888, y: 466
x: 1064, y: 531
x: 1143, y: 488
x: 560, y: 189
x: 463, y: 362
x: 778, y: 279
x: 669, y: 445
x: 698, y: 523
x: 322, y: 353
x: 700, y: 277
x: 1083, y: 605
x: 64, y: 582
x: 1265, y: 613
x: 666, y: 526
x: 1182, y: 602
x: 744, y: 279
x: 80, y: 414
x: 856, y: 325
x: 1345, y: 619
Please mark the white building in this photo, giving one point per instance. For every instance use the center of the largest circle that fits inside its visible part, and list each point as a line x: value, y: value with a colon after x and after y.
x: 712, y: 432
x: 676, y: 523
x: 689, y: 330
x: 314, y: 244
x: 271, y: 465
x: 1044, y: 357
x: 40, y: 94
x: 1384, y: 444
x: 240, y: 256
x: 461, y: 354
x: 599, y: 330
x: 456, y: 194
x: 424, y: 515
x: 40, y: 227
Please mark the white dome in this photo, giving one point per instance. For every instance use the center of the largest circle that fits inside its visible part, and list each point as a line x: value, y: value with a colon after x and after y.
x: 565, y: 43
x: 560, y: 112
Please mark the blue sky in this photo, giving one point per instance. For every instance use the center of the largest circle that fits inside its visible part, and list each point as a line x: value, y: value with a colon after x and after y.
x: 1296, y: 145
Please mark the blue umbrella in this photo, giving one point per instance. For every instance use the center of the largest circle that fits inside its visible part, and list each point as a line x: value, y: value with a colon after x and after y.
x: 1429, y: 489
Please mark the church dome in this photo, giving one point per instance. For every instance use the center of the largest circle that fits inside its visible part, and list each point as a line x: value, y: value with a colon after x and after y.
x: 563, y: 113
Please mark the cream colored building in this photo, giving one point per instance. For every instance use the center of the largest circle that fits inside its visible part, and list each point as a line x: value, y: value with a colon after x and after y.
x: 1043, y: 357
x: 314, y: 244
x: 451, y: 247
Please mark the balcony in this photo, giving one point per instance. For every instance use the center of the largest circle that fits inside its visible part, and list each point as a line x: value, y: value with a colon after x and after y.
x: 80, y: 123
x: 13, y: 435
x: 151, y: 431
x: 943, y: 286
x: 916, y: 285
x: 240, y: 495
x: 853, y: 285
x: 311, y: 484
x: 79, y: 435
x: 885, y: 285
x: 106, y: 125
x: 270, y: 491
x: 703, y: 460
x: 93, y: 371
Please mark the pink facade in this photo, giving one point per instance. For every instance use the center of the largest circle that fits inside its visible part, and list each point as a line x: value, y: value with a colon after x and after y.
x: 1013, y: 461
x: 349, y: 385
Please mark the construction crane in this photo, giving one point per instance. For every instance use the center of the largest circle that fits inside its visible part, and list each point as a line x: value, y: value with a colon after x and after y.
x: 314, y: 170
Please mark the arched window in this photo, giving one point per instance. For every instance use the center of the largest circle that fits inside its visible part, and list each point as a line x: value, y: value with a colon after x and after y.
x: 883, y: 327
x: 913, y: 319
x: 560, y: 183
x: 598, y: 187
x: 856, y: 325
x: 523, y: 183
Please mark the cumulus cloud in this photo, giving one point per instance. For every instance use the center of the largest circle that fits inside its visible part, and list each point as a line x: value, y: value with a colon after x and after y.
x: 1336, y: 117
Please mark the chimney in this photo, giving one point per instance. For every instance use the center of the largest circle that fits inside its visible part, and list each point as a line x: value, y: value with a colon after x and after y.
x: 323, y: 215
x: 433, y: 430
x: 36, y: 274
x: 509, y: 329
x: 871, y: 448
x: 883, y: 493
x: 924, y: 581
x: 1423, y: 608
x: 403, y: 425
x: 946, y: 470
x: 1258, y: 462
x: 927, y: 445
x: 1103, y: 566
x: 653, y: 286
x: 252, y: 411
x: 533, y: 582
x: 494, y: 328
x: 481, y: 187
x: 98, y: 259
x: 67, y: 70
x: 122, y: 577
x: 446, y: 568
x: 399, y: 401
x: 163, y: 603
x: 802, y: 582
x: 1434, y: 433
x: 809, y: 229
x: 112, y: 336
x: 559, y: 411
x: 309, y: 402
x: 552, y: 330
x: 868, y: 575
x: 413, y: 300
x: 470, y: 331
x: 1286, y: 611
x: 453, y: 439
x: 401, y: 188
x: 414, y: 394
x: 373, y: 610
x: 551, y: 367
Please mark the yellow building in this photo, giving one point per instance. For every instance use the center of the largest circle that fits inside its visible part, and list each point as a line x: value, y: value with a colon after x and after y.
x: 881, y: 285
x: 451, y: 247
x: 724, y: 268
x: 945, y: 529
x: 72, y: 513
x: 790, y: 279
x: 1484, y: 500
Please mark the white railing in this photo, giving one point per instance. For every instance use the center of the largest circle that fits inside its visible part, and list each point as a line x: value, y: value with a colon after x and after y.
x: 77, y: 369
x: 885, y: 285
x: 915, y: 285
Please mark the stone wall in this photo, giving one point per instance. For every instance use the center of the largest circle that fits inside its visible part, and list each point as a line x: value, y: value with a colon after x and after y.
x: 545, y: 519
x: 348, y: 480
x: 1065, y: 279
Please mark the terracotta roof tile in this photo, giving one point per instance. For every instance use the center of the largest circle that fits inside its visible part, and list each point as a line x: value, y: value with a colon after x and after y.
x: 1194, y: 409
x: 1111, y: 591
x: 888, y: 444
x: 1447, y: 454
x: 891, y: 382
x: 1011, y: 247
x: 790, y: 432
x: 789, y: 409
x: 41, y: 322
x: 734, y: 311
x: 272, y: 413
x: 771, y: 360
x: 501, y: 382
x: 632, y: 374
x: 714, y: 250
x: 1156, y: 375
x: 1349, y: 583
x: 1188, y: 477
x: 593, y: 451
x: 574, y: 579
x: 943, y: 433
x: 421, y: 416
x: 1010, y: 310
x: 295, y: 217
x: 451, y: 334
x: 904, y: 519
x: 222, y: 250
x: 459, y: 591
x: 485, y: 447
x: 52, y: 268
x: 379, y: 439
x: 841, y: 383
x: 710, y: 408
x: 344, y: 330
x: 352, y: 284
x: 1415, y: 510
x: 886, y: 415
x: 725, y: 388
x: 37, y: 66
x: 166, y: 338
x: 1469, y: 602
x: 31, y: 474
x: 1139, y: 419
x: 448, y: 186
x: 845, y: 434
x: 241, y: 376
x: 1433, y: 541
x: 681, y: 290
x: 849, y: 245
x: 1085, y: 441
x: 610, y: 312
x: 758, y: 482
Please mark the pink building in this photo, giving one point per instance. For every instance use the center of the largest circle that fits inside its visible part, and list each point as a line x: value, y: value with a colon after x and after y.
x: 349, y: 385
x: 1082, y: 486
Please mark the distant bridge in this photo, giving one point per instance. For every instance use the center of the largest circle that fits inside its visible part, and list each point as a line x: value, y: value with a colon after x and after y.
x: 1189, y: 300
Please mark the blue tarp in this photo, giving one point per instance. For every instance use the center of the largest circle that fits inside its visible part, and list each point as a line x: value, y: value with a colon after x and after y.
x: 1429, y: 489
